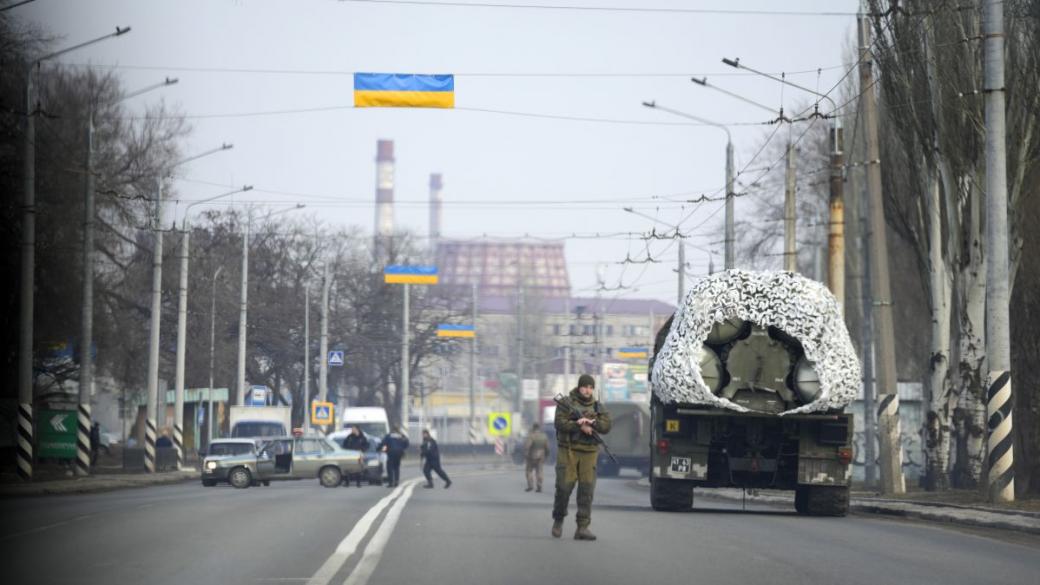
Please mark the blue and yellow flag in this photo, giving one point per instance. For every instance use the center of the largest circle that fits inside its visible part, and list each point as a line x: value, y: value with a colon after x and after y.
x: 632, y: 353
x: 449, y: 330
x: 400, y: 274
x: 403, y: 90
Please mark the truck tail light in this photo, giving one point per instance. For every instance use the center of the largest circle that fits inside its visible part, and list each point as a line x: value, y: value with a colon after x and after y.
x: 662, y: 446
x: 845, y: 455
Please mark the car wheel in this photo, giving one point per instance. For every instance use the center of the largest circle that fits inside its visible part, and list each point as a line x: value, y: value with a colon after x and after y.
x: 240, y: 478
x: 330, y: 477
x: 209, y: 483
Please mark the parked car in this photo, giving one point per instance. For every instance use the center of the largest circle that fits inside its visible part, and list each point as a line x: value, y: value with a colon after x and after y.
x: 287, y: 458
x: 373, y: 458
x: 218, y: 452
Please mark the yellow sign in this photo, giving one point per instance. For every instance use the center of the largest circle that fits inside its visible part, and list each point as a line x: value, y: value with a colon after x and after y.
x: 322, y: 413
x: 500, y: 424
x: 671, y: 425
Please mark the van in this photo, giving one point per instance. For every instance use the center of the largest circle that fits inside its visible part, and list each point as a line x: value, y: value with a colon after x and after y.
x: 372, y: 420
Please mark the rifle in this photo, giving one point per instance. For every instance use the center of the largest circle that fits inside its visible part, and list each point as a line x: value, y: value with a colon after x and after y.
x: 565, y: 403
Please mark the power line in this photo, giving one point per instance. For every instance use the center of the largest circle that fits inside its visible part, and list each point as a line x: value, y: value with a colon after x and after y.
x: 620, y: 9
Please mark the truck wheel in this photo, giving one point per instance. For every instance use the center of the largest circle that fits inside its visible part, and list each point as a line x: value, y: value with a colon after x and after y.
x: 240, y: 478
x: 670, y: 496
x: 827, y: 500
x: 801, y: 496
x: 330, y: 477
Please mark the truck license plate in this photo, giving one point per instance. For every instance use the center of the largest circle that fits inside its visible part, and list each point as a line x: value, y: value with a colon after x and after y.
x: 681, y: 464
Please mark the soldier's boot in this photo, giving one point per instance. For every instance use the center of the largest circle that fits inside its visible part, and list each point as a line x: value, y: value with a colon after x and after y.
x: 557, y: 529
x: 582, y: 533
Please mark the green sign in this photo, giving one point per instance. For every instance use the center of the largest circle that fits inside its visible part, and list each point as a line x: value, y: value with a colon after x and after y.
x: 57, y: 434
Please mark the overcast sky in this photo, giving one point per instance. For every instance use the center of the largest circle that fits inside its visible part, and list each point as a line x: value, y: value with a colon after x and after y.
x: 562, y: 64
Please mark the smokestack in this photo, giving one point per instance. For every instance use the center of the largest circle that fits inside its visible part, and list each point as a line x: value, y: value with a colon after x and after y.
x: 384, y: 221
x: 436, y: 198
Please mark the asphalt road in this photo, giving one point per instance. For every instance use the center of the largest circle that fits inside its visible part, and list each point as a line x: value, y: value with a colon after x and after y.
x: 485, y: 529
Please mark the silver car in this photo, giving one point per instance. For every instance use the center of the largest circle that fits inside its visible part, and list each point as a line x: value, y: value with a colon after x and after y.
x: 288, y: 458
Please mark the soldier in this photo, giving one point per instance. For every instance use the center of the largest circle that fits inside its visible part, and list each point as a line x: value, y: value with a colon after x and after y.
x: 578, y: 448
x: 536, y: 451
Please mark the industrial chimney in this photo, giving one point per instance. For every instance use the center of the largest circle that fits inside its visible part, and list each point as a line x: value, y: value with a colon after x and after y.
x: 436, y: 198
x: 384, y: 221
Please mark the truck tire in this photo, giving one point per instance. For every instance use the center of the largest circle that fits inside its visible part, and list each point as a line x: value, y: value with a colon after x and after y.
x: 670, y: 496
x: 330, y: 476
x: 826, y: 500
x: 240, y: 478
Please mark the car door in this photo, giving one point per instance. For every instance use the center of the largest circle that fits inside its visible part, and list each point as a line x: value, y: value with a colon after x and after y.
x: 308, y: 455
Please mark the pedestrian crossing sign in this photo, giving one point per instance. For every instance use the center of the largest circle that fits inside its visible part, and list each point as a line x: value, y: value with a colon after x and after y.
x: 500, y: 424
x: 322, y: 413
x: 336, y: 357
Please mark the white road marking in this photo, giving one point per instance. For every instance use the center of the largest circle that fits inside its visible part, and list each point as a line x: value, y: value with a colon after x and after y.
x: 349, y: 544
x: 374, y: 551
x: 47, y: 527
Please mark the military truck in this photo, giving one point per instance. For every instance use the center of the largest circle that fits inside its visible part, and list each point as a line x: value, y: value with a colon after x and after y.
x: 627, y: 440
x: 750, y: 377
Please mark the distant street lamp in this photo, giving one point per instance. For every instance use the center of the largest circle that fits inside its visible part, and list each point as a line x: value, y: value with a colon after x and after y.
x: 182, y: 324
x: 28, y: 264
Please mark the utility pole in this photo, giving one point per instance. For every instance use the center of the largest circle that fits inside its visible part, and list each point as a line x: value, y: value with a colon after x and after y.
x: 305, y: 422
x: 243, y: 304
x: 790, y: 246
x: 473, y: 363
x: 518, y: 404
x: 86, y: 360
x: 730, y: 194
x: 681, y: 269
x: 405, y: 358
x: 836, y: 224
x: 323, y: 374
x: 211, y: 415
x: 153, y: 342
x: 892, y: 481
x: 567, y: 345
x: 1000, y: 441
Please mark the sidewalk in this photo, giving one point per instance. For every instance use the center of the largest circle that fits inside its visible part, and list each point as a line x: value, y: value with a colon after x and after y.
x: 100, y: 482
x: 917, y: 506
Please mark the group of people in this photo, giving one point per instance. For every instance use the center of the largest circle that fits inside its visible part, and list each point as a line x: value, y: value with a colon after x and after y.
x: 394, y: 444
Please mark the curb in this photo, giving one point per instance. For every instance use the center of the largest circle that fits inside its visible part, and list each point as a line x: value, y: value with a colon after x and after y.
x: 96, y: 484
x: 957, y: 514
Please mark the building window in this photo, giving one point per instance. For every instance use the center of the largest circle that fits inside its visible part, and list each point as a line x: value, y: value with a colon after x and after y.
x: 572, y: 330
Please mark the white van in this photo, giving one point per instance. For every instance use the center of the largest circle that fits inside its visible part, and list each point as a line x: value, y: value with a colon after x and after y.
x: 372, y: 420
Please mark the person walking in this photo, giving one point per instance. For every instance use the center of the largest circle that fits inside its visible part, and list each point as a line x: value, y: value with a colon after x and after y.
x: 394, y: 445
x: 357, y: 441
x: 431, y: 454
x: 536, y: 451
x: 579, y: 421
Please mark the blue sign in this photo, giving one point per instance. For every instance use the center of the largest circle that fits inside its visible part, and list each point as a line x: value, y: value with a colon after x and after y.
x: 500, y: 424
x: 258, y: 396
x: 322, y: 412
x: 336, y: 358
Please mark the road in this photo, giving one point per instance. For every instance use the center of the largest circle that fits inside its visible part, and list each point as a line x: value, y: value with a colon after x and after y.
x: 485, y: 529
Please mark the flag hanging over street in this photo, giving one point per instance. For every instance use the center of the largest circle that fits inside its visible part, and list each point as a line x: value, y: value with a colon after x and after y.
x: 400, y: 274
x: 403, y: 90
x: 450, y: 330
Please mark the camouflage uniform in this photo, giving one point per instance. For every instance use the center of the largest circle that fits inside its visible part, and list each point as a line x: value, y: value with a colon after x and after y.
x: 576, y: 457
x: 536, y: 450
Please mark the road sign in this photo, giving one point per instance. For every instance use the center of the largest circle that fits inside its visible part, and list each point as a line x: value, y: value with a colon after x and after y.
x: 322, y: 413
x: 529, y: 389
x: 336, y: 357
x: 57, y: 429
x: 500, y: 424
x: 258, y: 396
x: 400, y: 274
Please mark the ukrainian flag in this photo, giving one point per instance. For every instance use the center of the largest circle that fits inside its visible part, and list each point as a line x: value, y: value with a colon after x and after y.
x: 632, y: 352
x: 403, y: 90
x: 399, y: 274
x: 449, y: 330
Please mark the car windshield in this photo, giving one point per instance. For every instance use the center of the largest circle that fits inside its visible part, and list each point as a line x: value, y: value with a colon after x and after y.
x: 376, y: 429
x: 230, y: 448
x: 259, y: 429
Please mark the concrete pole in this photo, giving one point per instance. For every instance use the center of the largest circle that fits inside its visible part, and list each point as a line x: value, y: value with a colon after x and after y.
x: 473, y: 363
x: 86, y: 338
x: 567, y: 347
x: 211, y: 415
x: 26, y: 300
x: 323, y: 374
x: 240, y: 386
x: 730, y: 195
x: 182, y: 333
x: 306, y: 423
x: 153, y: 341
x: 790, y: 245
x: 836, y: 225
x: 681, y: 269
x: 1000, y: 441
x: 892, y: 481
x: 404, y: 360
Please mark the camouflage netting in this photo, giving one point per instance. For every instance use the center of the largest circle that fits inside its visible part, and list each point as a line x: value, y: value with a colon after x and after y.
x: 801, y: 307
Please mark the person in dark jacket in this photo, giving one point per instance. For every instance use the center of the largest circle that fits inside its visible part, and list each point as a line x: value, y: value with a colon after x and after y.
x: 394, y: 445
x: 431, y: 454
x: 357, y: 441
